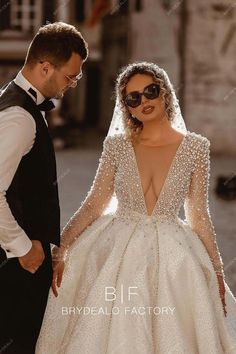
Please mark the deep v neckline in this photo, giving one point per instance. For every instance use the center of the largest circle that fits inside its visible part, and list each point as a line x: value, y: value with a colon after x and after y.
x: 165, y: 180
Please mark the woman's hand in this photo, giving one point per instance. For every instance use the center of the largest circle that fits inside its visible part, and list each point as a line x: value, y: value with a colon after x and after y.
x: 58, y: 263
x: 58, y: 270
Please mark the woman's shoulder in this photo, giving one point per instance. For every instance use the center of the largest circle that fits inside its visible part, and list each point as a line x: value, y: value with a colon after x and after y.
x: 199, y: 140
x: 116, y: 139
x: 115, y: 144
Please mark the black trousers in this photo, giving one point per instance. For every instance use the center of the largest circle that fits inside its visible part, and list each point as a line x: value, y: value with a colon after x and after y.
x: 23, y: 299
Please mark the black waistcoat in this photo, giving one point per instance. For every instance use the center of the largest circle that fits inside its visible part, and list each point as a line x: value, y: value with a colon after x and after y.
x: 33, y: 193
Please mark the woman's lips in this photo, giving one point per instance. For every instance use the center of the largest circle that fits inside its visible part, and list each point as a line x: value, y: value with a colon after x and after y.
x: 148, y: 109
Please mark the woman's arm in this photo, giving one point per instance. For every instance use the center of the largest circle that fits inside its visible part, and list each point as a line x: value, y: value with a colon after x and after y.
x: 95, y: 202
x: 197, y: 209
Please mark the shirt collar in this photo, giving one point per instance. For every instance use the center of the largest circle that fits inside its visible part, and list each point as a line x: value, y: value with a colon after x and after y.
x: 21, y: 81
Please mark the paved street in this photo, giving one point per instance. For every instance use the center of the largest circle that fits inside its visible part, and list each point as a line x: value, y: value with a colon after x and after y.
x: 76, y: 170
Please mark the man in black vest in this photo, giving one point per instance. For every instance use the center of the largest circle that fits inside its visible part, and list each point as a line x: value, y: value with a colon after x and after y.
x: 29, y: 205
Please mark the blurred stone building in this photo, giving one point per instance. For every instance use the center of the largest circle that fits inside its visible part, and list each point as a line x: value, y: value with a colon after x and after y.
x: 194, y: 41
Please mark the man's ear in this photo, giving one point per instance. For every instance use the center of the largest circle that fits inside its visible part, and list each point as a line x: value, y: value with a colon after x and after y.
x: 46, y: 68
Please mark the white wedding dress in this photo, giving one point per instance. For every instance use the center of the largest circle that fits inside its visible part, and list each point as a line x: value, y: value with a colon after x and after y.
x: 169, y: 263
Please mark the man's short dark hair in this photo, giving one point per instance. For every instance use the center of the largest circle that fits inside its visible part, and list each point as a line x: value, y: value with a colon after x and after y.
x: 55, y: 42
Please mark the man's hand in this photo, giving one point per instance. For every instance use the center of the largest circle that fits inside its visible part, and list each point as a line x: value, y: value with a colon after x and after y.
x: 32, y: 260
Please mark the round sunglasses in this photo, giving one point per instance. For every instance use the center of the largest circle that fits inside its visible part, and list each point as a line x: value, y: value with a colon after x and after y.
x: 134, y: 98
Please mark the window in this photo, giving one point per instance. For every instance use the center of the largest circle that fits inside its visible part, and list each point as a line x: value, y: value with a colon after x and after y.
x: 21, y: 15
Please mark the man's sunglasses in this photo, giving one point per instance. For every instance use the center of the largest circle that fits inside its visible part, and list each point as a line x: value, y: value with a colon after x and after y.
x: 134, y: 98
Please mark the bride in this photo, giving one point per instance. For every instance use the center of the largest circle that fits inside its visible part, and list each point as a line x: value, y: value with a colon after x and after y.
x: 139, y: 279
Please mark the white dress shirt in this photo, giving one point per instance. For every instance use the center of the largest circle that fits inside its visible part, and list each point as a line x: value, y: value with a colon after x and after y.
x: 17, y: 135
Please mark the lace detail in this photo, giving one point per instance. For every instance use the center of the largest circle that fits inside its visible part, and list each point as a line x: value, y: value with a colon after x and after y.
x: 197, y: 205
x: 95, y: 202
x: 186, y: 184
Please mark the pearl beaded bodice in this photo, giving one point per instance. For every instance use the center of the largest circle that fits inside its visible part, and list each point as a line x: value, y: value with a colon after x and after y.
x: 128, y: 184
x: 186, y: 184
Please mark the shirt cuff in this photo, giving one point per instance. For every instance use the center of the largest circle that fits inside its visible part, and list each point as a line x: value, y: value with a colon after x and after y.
x: 18, y: 247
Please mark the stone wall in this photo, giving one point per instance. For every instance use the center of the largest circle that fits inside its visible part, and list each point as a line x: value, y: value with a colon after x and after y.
x: 199, y: 57
x: 210, y: 80
x: 155, y: 37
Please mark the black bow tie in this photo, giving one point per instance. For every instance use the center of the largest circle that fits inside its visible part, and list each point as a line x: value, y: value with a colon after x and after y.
x: 46, y: 105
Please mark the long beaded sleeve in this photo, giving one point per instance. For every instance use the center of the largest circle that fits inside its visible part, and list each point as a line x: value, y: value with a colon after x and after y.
x: 196, y: 206
x: 95, y: 202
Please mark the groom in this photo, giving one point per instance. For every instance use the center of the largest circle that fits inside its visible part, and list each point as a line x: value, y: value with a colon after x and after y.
x: 29, y: 205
